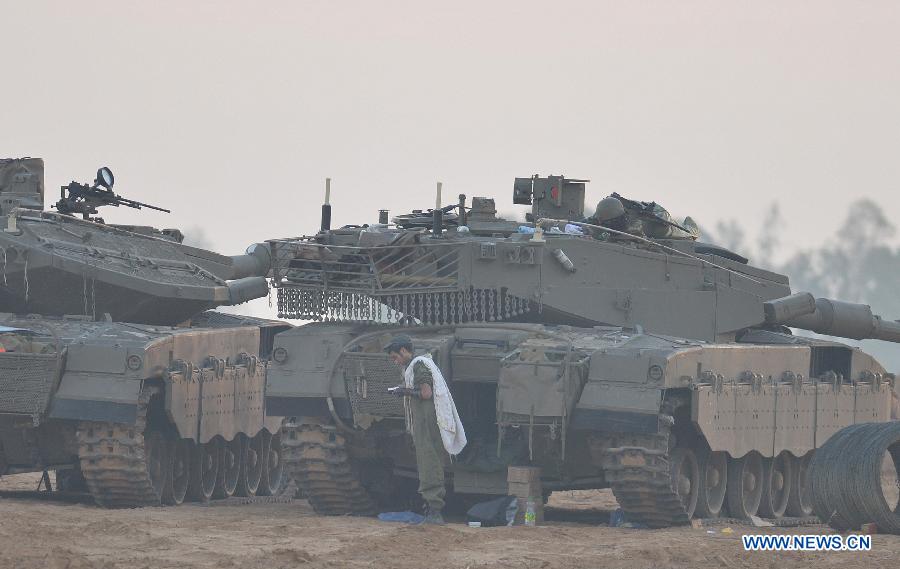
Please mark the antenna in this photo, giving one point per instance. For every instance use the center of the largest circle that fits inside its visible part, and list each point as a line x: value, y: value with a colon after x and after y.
x: 438, y: 214
x: 326, y: 207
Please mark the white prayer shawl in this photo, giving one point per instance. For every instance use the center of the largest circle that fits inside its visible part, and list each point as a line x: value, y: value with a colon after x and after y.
x: 452, y: 433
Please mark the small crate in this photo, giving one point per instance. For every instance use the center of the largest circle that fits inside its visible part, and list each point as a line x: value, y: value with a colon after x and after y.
x: 523, y: 474
x: 525, y: 489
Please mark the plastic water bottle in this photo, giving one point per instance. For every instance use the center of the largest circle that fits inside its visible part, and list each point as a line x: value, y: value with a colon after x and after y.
x: 530, y: 516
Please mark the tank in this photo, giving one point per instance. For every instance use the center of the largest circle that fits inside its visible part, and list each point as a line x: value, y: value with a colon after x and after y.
x: 613, y: 351
x: 113, y: 372
x: 56, y: 263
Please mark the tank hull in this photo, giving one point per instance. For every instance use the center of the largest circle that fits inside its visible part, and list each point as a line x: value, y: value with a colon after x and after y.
x: 138, y: 415
x: 661, y: 420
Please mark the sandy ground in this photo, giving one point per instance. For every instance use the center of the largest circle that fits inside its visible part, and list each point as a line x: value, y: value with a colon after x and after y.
x: 38, y: 533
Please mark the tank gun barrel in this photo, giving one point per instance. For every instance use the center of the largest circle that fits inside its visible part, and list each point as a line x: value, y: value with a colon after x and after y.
x: 256, y: 262
x: 246, y: 289
x: 248, y: 274
x: 831, y: 317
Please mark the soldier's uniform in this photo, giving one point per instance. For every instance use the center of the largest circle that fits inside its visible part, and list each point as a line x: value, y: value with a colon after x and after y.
x: 647, y: 220
x: 426, y: 437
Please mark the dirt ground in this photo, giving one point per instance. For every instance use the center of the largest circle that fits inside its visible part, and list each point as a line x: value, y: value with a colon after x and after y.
x: 38, y: 532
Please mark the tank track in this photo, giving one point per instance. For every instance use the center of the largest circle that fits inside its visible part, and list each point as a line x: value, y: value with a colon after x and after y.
x: 786, y: 522
x: 245, y: 500
x: 113, y: 461
x: 316, y: 458
x: 637, y: 468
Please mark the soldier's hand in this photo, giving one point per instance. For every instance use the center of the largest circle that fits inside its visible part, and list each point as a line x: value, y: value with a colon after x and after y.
x: 402, y: 391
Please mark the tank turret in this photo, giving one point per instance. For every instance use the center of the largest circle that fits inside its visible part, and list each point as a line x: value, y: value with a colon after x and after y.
x: 638, y: 267
x: 56, y: 263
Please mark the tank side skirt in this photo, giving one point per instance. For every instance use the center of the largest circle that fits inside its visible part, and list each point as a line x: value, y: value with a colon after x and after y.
x: 739, y: 418
x: 218, y: 401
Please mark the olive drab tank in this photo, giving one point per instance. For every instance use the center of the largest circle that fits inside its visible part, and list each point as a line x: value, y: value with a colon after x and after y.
x: 55, y: 263
x: 614, y: 350
x: 112, y: 371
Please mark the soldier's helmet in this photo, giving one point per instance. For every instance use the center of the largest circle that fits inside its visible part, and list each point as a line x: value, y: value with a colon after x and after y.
x: 609, y: 208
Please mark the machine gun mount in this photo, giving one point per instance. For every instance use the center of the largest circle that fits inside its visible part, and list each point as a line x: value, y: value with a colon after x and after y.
x: 85, y: 199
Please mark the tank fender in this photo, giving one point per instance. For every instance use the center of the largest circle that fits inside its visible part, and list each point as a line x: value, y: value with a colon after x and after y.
x: 299, y: 377
x: 96, y: 397
x: 624, y: 389
x: 605, y: 406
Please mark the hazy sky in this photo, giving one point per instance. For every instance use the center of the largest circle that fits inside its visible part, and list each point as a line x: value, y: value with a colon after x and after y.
x: 233, y: 113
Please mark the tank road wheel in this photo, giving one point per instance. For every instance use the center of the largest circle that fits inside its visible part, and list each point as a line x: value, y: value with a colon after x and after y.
x: 713, y: 480
x: 745, y: 485
x: 685, y: 476
x: 799, y: 503
x: 251, y: 465
x: 204, y: 470
x: 273, y: 465
x: 777, y: 480
x: 229, y: 468
x: 179, y: 472
x: 655, y: 481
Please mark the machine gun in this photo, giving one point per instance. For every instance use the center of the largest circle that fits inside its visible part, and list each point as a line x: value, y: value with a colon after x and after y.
x: 85, y: 199
x: 419, y: 218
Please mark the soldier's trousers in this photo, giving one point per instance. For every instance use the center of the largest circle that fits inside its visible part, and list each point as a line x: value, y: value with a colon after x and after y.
x: 429, y: 453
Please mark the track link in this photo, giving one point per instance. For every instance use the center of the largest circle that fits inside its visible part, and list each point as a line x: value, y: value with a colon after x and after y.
x: 787, y: 522
x: 113, y: 460
x: 638, y: 472
x: 316, y: 458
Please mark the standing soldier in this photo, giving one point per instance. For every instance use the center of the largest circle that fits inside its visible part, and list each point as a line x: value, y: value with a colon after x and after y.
x: 432, y: 420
